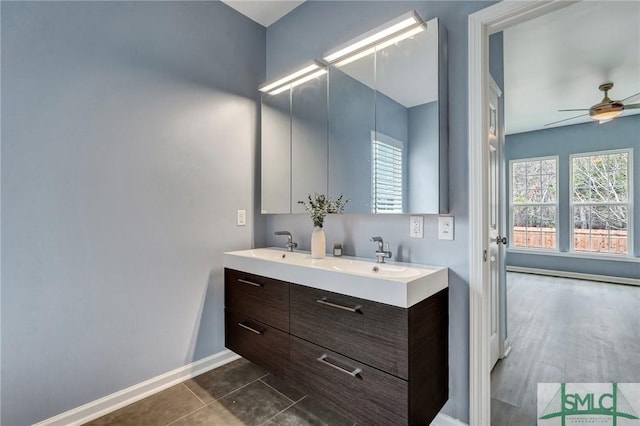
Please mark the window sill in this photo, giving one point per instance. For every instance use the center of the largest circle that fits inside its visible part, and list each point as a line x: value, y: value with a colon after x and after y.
x: 606, y: 257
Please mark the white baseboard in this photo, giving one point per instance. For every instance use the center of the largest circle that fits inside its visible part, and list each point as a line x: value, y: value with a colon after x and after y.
x: 100, y: 407
x: 507, y: 348
x: 575, y: 275
x: 444, y: 420
x: 109, y: 403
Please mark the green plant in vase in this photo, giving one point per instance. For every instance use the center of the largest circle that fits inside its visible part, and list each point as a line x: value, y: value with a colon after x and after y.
x: 319, y: 206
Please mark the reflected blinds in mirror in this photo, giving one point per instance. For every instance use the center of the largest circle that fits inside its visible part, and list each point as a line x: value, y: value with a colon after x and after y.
x: 386, y: 175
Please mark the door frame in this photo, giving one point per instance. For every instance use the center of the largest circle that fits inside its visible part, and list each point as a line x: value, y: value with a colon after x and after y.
x: 481, y: 24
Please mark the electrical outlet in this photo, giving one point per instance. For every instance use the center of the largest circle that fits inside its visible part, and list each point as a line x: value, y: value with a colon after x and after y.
x: 416, y: 227
x: 242, y: 217
x: 445, y: 228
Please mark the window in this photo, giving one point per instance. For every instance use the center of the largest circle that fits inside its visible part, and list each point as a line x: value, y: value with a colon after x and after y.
x: 534, y: 208
x: 386, y: 175
x: 601, y: 202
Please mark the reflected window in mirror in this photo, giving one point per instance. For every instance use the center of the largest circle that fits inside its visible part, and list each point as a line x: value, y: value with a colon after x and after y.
x: 387, y: 173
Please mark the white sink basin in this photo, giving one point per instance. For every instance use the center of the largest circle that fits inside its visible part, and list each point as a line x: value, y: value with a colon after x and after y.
x: 278, y: 255
x: 393, y: 283
x: 376, y: 270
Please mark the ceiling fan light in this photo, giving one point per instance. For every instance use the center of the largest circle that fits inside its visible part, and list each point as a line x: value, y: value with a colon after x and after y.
x: 606, y: 115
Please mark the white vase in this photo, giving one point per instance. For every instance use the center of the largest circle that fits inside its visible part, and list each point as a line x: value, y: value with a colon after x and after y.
x: 318, y: 243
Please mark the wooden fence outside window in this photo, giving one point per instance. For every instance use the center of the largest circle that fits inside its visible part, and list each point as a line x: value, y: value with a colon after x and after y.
x: 584, y: 240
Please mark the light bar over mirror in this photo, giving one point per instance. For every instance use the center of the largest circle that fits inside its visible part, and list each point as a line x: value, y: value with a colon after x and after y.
x: 398, y: 29
x: 309, y: 72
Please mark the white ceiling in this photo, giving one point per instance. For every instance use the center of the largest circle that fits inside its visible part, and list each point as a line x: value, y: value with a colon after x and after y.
x: 264, y: 12
x: 557, y: 61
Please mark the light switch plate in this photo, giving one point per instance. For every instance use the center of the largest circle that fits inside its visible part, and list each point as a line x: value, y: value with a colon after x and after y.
x: 242, y: 217
x: 416, y: 227
x: 445, y: 228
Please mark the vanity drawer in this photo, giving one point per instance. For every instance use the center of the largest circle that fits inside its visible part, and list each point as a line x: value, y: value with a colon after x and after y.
x: 362, y: 393
x: 370, y: 332
x: 261, y: 298
x: 266, y: 346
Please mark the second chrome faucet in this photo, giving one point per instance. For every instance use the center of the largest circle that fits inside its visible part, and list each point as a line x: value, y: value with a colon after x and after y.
x: 381, y: 253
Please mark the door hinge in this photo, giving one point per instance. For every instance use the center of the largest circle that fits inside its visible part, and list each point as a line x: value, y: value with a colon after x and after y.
x: 484, y: 256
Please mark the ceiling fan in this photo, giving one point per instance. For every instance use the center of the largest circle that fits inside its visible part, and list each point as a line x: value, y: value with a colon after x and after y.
x: 603, y: 111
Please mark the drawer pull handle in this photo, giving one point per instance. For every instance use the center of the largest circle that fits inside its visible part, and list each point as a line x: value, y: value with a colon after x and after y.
x: 323, y: 359
x: 243, y: 281
x: 251, y: 329
x: 324, y: 301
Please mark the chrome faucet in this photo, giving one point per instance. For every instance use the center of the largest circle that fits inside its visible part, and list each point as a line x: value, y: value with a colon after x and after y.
x: 381, y: 254
x: 290, y: 244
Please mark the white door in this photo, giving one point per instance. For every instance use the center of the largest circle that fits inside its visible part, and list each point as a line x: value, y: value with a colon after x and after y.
x: 495, y: 252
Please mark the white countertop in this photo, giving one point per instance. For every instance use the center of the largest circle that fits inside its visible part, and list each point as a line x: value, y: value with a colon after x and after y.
x: 394, y: 283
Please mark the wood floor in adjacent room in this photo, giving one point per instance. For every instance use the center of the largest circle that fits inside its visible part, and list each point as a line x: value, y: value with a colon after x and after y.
x: 563, y: 330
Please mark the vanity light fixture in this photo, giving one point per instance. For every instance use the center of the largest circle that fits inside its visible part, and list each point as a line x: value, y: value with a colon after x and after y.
x: 296, y: 78
x: 298, y: 82
x: 398, y: 29
x: 380, y: 46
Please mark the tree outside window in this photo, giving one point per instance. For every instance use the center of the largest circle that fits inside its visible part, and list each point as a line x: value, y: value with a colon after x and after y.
x: 601, y: 202
x: 534, y: 203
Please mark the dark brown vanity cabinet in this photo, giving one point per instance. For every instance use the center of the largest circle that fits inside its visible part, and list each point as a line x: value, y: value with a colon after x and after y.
x: 375, y: 363
x: 257, y: 319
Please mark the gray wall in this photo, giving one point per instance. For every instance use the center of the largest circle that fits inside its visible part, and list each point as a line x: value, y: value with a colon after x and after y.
x: 563, y: 141
x: 308, y: 32
x: 129, y: 134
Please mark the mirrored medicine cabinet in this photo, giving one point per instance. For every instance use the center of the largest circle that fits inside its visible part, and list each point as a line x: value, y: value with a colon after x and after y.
x: 372, y: 127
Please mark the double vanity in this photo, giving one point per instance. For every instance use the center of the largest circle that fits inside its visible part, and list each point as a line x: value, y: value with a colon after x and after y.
x: 370, y: 339
x: 367, y: 122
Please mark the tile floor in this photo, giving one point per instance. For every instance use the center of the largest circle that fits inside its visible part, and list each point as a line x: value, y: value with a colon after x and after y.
x: 238, y: 393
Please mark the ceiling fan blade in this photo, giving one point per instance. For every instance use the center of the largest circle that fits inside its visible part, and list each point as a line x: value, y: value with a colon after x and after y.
x: 582, y: 109
x: 566, y: 119
x: 630, y: 97
x: 632, y: 106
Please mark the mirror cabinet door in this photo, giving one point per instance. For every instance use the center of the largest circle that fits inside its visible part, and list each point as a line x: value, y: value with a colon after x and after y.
x: 351, y: 122
x: 406, y: 165
x: 309, y: 120
x: 276, y: 153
